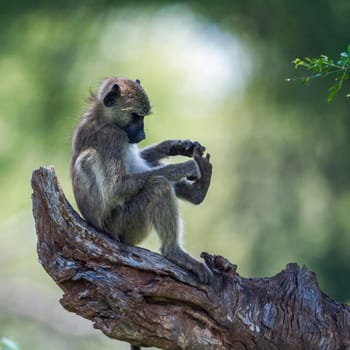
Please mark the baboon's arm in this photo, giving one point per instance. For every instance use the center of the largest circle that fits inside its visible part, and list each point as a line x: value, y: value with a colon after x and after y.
x: 154, y: 153
x: 131, y: 184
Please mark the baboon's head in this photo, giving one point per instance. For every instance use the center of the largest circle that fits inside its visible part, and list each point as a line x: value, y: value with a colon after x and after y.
x: 125, y: 103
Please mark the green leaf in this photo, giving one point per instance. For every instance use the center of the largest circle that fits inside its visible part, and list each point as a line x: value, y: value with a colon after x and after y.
x: 333, y: 90
x: 306, y: 81
x: 298, y: 62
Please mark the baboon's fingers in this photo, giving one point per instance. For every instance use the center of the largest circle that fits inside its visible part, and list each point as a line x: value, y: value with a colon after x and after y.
x: 200, y: 149
x: 196, y: 154
x: 187, y: 145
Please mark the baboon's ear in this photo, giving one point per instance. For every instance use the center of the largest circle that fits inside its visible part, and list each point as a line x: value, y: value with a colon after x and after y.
x: 111, y: 98
x: 138, y: 81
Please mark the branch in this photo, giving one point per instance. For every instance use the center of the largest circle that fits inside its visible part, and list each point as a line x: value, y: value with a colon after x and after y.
x: 138, y: 296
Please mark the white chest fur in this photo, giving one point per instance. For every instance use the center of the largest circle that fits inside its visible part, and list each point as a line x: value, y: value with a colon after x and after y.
x: 134, y: 163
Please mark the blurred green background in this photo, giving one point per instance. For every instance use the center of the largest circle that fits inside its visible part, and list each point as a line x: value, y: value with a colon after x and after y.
x: 215, y: 72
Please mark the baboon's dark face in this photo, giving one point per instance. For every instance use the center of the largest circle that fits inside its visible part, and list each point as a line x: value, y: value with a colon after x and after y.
x: 135, y: 129
x: 126, y: 105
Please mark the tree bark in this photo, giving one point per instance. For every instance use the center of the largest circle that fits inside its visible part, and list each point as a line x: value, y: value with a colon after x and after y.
x: 138, y: 296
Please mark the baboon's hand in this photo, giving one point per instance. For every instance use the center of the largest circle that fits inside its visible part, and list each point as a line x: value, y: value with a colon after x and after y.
x: 186, y: 148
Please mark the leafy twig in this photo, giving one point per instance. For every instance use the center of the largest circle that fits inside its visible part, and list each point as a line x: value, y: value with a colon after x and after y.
x: 322, y: 67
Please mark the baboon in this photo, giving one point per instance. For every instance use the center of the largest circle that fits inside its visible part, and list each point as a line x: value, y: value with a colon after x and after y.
x: 125, y: 191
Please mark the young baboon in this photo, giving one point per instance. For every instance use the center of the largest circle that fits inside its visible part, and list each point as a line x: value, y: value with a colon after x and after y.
x: 125, y: 191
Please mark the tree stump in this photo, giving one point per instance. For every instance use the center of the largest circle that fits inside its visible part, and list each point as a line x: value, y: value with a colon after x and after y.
x: 140, y: 297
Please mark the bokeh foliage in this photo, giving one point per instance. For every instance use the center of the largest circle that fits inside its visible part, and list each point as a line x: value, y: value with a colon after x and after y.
x: 215, y: 71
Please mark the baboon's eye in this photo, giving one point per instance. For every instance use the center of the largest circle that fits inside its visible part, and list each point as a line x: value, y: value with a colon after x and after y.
x: 136, y: 117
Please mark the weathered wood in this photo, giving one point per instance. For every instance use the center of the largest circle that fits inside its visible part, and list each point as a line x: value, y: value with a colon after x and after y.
x: 139, y: 296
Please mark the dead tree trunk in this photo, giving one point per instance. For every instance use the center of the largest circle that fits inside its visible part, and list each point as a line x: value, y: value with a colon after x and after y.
x: 138, y: 296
